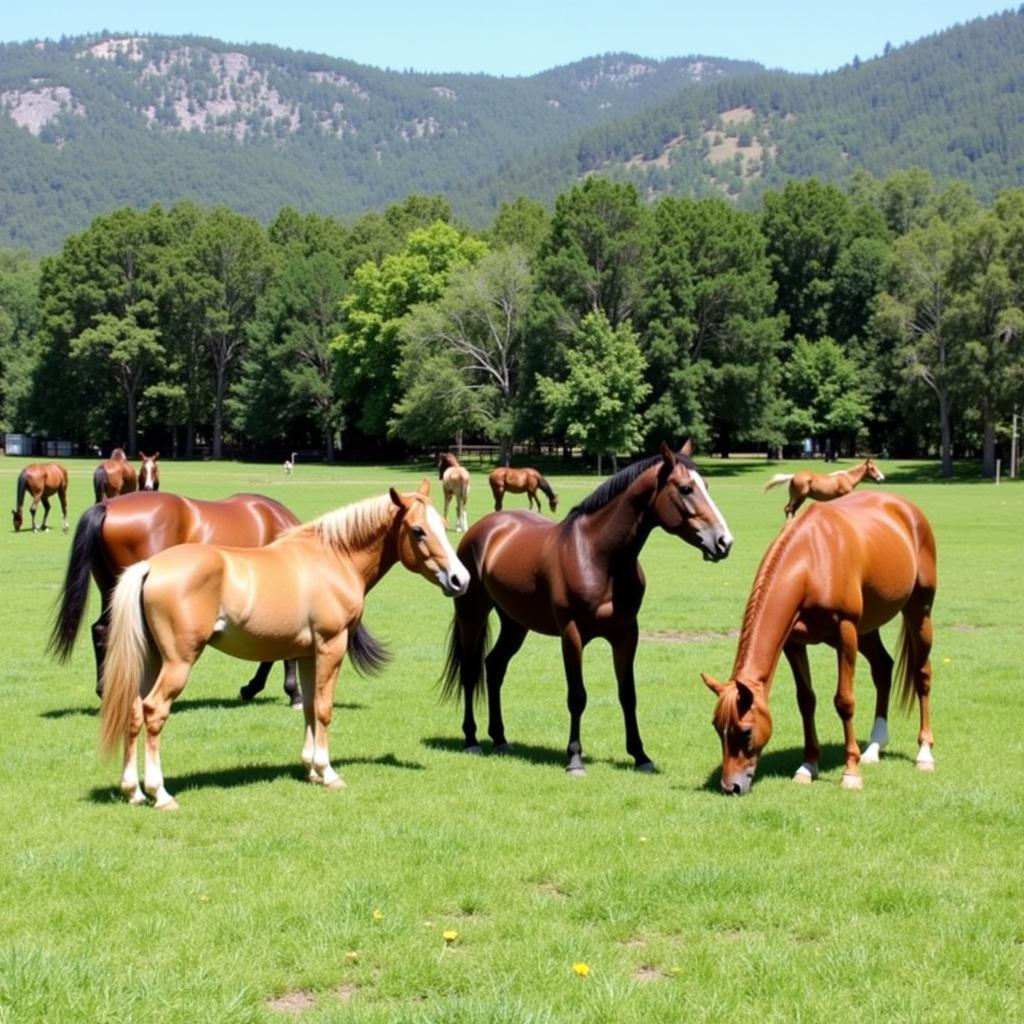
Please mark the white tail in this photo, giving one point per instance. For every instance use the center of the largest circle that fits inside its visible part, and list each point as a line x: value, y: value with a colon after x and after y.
x: 779, y: 478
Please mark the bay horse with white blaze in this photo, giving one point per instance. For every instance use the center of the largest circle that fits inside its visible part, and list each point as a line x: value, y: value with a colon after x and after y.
x: 521, y: 481
x: 122, y: 531
x: 302, y: 596
x: 577, y: 580
x: 823, y: 487
x: 149, y: 472
x: 838, y: 574
x: 115, y: 476
x: 41, y: 480
x: 455, y: 483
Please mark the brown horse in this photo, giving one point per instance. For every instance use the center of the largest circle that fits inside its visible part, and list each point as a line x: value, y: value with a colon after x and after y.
x: 149, y: 472
x: 302, y: 596
x: 835, y: 576
x: 576, y: 580
x: 455, y: 483
x: 822, y: 487
x: 117, y: 533
x: 115, y: 476
x: 41, y: 480
x: 518, y: 481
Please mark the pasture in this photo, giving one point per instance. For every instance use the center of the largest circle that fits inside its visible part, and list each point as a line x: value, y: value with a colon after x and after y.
x: 500, y: 890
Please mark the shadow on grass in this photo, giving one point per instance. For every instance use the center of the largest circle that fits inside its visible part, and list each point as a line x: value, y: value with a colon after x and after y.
x: 518, y: 752
x: 250, y: 775
x: 196, y: 704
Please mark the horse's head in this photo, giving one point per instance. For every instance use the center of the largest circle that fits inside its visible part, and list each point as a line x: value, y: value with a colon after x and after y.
x: 423, y: 544
x: 444, y: 460
x: 873, y: 472
x: 683, y: 505
x: 149, y: 473
x: 18, y: 519
x: 553, y: 502
x: 744, y: 725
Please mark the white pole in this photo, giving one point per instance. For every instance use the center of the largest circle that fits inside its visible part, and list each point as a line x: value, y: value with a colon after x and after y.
x: 999, y: 466
x: 1013, y: 448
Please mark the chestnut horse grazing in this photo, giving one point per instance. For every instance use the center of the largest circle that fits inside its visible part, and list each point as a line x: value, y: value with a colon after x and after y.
x: 518, y: 481
x: 576, y: 580
x: 455, y: 482
x: 302, y: 596
x: 823, y: 487
x: 835, y: 576
x: 117, y: 533
x: 115, y: 476
x: 41, y: 480
x: 149, y: 472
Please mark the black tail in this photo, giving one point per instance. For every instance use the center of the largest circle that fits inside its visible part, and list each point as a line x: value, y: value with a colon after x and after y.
x: 368, y: 656
x: 22, y: 485
x: 451, y: 680
x: 84, y: 551
x: 99, y: 482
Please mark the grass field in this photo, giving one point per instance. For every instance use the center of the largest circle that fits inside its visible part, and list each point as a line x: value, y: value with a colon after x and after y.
x: 619, y: 897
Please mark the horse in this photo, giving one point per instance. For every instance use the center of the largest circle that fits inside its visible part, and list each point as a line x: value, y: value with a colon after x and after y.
x: 42, y: 480
x: 518, y: 481
x: 121, y: 531
x: 835, y: 576
x: 577, y: 580
x: 289, y: 463
x: 806, y: 484
x: 302, y: 596
x: 149, y: 472
x: 114, y: 476
x: 455, y: 482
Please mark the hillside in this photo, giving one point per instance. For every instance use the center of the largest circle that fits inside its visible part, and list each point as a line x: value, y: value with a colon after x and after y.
x: 88, y: 124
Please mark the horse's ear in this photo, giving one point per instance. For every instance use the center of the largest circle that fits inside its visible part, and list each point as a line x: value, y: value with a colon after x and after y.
x: 425, y: 488
x: 143, y: 455
x: 156, y: 458
x: 687, y: 448
x: 397, y: 498
x: 667, y: 454
x: 712, y: 684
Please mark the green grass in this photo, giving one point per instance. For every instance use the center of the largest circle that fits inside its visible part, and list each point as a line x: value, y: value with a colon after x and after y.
x: 256, y: 901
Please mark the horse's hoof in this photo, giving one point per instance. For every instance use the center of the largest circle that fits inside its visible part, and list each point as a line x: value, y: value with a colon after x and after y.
x: 851, y: 781
x: 805, y: 774
x: 502, y: 749
x: 871, y: 754
x: 648, y: 767
x: 296, y: 705
x: 576, y: 773
x: 246, y: 694
x: 170, y: 804
x: 476, y: 750
x: 925, y: 766
x: 336, y: 783
x: 315, y: 777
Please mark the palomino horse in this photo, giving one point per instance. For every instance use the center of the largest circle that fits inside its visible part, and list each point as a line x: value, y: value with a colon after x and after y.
x: 806, y: 484
x: 455, y: 482
x: 302, y: 596
x: 576, y: 580
x: 149, y: 472
x: 517, y: 481
x: 115, y: 476
x: 117, y: 533
x: 42, y: 480
x: 835, y: 576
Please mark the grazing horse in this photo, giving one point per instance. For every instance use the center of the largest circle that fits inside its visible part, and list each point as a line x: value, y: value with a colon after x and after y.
x: 576, y: 580
x: 455, y: 482
x: 806, y: 484
x: 117, y: 533
x: 516, y: 481
x: 302, y: 596
x: 115, y: 476
x: 149, y: 472
x: 835, y: 576
x: 42, y: 480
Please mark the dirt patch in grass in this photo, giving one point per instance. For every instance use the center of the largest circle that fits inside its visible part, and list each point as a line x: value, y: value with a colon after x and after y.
x: 291, y: 1002
x: 688, y: 637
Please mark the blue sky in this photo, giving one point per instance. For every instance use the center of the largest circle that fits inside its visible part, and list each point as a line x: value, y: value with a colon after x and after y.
x: 525, y: 37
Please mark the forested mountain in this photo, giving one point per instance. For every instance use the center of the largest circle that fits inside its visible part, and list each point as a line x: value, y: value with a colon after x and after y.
x: 91, y: 124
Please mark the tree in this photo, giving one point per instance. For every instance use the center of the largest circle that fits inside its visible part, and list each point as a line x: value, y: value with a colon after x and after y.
x: 19, y: 321
x: 597, y: 404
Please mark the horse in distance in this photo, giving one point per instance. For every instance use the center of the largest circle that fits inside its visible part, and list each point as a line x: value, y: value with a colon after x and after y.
x: 455, y: 483
x: 149, y: 472
x: 521, y: 481
x: 835, y: 576
x: 40, y: 481
x: 114, y: 476
x: 823, y: 486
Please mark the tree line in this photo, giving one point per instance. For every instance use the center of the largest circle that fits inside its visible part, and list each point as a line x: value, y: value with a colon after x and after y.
x: 885, y: 317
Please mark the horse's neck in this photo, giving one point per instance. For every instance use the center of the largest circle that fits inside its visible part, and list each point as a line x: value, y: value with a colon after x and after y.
x: 621, y: 527
x: 373, y: 560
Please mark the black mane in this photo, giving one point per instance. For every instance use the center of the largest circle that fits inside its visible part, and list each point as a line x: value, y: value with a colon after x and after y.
x: 615, y: 485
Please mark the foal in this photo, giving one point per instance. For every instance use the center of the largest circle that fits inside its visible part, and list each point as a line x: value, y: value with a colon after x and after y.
x: 455, y: 481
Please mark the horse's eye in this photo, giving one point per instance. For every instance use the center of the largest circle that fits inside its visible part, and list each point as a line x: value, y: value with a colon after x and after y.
x: 418, y: 532
x: 685, y: 490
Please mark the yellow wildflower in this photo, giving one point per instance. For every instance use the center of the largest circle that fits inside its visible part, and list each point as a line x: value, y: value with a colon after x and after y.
x: 581, y: 969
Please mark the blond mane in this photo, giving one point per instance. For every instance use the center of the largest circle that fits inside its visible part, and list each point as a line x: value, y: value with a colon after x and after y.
x: 350, y: 527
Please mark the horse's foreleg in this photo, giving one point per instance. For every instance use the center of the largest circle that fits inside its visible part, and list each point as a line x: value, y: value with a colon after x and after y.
x: 572, y: 658
x: 796, y: 655
x: 100, y: 629
x: 319, y: 707
x: 510, y: 639
x: 156, y: 706
x: 291, y: 684
x: 623, y: 656
x: 46, y: 514
x: 845, y: 702
x: 878, y: 658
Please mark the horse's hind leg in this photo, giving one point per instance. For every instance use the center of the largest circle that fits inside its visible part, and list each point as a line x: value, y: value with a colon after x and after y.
x: 46, y: 514
x: 510, y: 639
x: 318, y: 677
x: 156, y: 706
x: 64, y: 508
x: 879, y: 659
x: 623, y: 656
x: 576, y: 698
x: 919, y: 635
x: 796, y: 655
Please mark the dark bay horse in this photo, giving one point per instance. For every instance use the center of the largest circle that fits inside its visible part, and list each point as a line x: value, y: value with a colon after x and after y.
x: 822, y: 486
x: 41, y: 480
x: 455, y: 483
x: 119, y: 532
x: 149, y: 472
x: 302, y: 596
x: 577, y: 580
x: 114, y: 476
x: 834, y: 576
x: 519, y: 481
